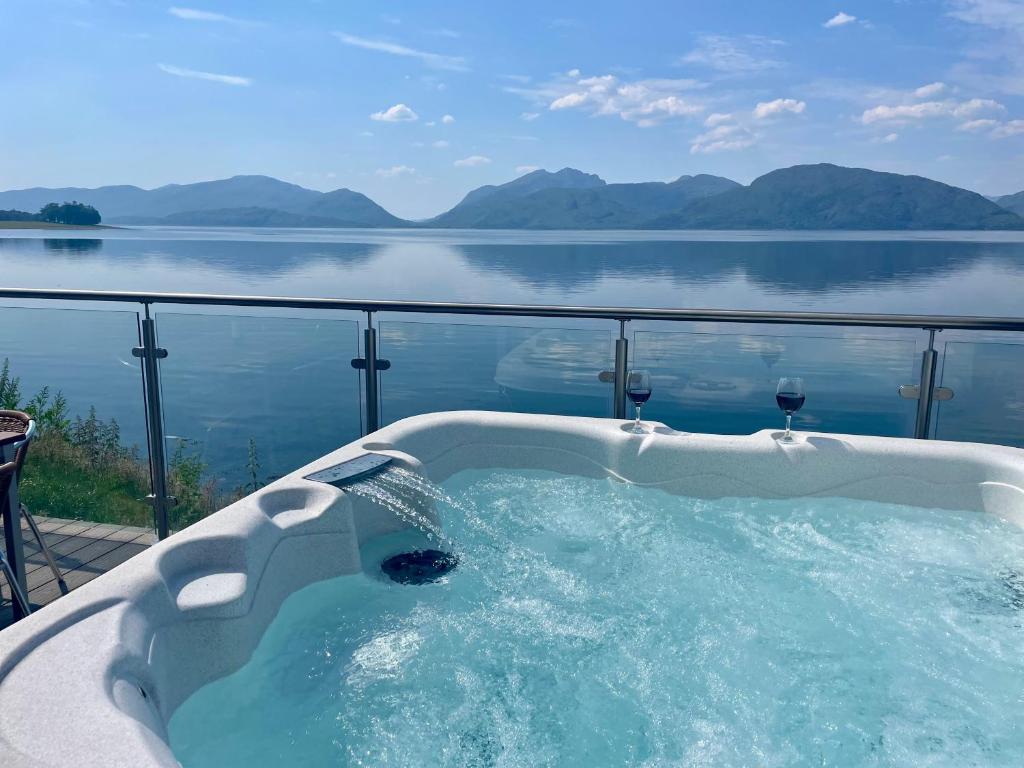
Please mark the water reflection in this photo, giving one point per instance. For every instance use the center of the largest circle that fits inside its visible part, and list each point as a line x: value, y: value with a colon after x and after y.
x: 72, y: 245
x: 815, y: 267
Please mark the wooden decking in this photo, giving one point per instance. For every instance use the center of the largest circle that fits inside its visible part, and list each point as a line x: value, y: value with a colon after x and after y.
x: 82, y: 550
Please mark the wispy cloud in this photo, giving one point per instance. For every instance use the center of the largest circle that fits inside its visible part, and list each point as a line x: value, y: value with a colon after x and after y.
x: 395, y: 170
x: 440, y: 144
x: 767, y: 109
x: 974, y: 126
x: 839, y: 20
x: 195, y: 14
x: 1007, y: 129
x: 211, y: 76
x: 436, y: 60
x: 399, y: 113
x: 447, y: 119
x: 722, y: 138
x: 644, y: 102
x: 927, y: 91
x: 527, y: 168
x: 472, y: 161
x: 734, y: 55
x: 901, y: 113
x: 888, y: 138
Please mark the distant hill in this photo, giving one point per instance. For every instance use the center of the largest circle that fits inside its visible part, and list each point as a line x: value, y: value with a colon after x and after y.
x: 802, y: 197
x: 571, y: 199
x: 832, y: 197
x: 217, y: 203
x: 1014, y: 202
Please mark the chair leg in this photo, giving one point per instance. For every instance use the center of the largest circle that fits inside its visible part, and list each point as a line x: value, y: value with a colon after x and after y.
x: 27, y: 516
x: 16, y: 593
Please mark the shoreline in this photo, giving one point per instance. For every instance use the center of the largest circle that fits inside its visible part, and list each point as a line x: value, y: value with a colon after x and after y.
x: 51, y: 225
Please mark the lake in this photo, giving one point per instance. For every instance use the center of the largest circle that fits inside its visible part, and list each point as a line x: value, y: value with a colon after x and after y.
x: 230, y: 373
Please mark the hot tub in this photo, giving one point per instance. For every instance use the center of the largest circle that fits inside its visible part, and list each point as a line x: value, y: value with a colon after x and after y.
x: 115, y: 674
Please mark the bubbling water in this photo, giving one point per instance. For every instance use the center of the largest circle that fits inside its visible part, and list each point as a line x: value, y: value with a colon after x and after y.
x: 595, y: 623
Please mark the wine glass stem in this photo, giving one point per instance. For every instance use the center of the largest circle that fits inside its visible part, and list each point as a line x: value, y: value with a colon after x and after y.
x: 789, y: 420
x: 636, y: 424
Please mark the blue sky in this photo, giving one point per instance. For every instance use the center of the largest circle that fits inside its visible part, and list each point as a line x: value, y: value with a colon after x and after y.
x: 416, y: 103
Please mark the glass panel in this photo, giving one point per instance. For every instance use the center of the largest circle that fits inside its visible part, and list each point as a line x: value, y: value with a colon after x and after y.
x: 725, y: 383
x: 987, y: 379
x: 73, y: 369
x: 449, y: 366
x: 249, y: 399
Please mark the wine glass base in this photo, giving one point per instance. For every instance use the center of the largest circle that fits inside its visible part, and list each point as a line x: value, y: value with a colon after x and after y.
x: 638, y: 430
x: 784, y: 440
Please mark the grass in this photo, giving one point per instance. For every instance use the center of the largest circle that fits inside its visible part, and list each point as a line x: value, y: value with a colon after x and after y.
x: 61, y: 480
x: 80, y: 470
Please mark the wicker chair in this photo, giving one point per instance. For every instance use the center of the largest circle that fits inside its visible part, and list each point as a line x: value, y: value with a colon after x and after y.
x: 17, y: 429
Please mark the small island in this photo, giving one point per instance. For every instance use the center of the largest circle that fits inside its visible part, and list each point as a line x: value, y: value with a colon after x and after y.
x: 73, y: 215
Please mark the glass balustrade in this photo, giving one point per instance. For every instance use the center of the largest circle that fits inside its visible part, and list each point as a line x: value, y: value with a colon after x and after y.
x: 725, y: 382
x: 247, y: 399
x: 459, y: 366
x: 986, y: 380
x: 73, y: 371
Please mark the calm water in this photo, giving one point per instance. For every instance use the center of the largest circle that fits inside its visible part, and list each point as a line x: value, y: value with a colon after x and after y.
x: 227, y: 374
x: 592, y: 623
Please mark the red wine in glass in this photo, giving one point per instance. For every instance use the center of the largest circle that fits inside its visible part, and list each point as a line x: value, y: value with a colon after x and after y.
x: 790, y: 397
x: 638, y: 389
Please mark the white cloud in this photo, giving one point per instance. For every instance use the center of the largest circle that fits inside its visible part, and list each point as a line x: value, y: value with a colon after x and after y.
x: 440, y: 144
x: 573, y: 73
x: 447, y: 119
x: 436, y: 60
x: 717, y: 118
x: 395, y: 170
x: 396, y: 114
x: 529, y: 116
x: 527, y: 168
x: 974, y: 126
x: 472, y: 161
x: 194, y: 14
x: 644, y: 102
x: 928, y: 109
x: 211, y: 76
x: 777, y: 107
x: 747, y: 53
x: 839, y: 20
x: 722, y: 138
x: 888, y: 138
x: 932, y: 89
x: 1009, y: 128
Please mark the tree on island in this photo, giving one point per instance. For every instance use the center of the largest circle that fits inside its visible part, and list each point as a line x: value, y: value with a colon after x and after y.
x: 69, y: 213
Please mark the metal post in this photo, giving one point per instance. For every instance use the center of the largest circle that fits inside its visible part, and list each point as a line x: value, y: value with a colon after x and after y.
x: 621, y: 363
x: 927, y: 389
x: 151, y: 355
x: 13, y: 541
x: 370, y: 358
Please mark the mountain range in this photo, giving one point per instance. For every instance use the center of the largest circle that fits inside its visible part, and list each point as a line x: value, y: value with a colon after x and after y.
x: 822, y: 196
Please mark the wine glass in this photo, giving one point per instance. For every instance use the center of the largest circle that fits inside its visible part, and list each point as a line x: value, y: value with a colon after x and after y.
x: 790, y: 397
x: 638, y: 388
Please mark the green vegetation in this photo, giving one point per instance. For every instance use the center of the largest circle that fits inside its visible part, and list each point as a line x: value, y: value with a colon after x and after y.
x: 79, y: 469
x: 72, y: 214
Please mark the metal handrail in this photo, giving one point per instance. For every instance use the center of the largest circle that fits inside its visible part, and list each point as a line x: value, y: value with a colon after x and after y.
x: 151, y: 353
x: 852, y: 319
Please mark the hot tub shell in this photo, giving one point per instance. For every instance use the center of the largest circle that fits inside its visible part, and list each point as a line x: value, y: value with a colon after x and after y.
x: 93, y: 679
